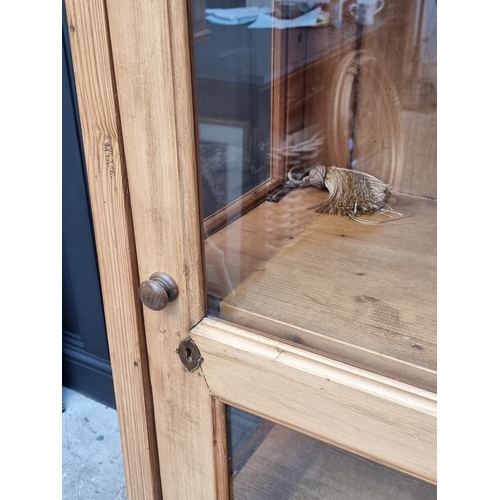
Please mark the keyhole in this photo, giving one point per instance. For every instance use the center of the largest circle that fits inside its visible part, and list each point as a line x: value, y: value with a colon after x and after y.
x: 189, y: 354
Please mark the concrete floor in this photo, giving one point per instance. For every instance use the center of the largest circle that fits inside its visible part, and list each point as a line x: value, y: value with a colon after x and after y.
x: 92, y: 462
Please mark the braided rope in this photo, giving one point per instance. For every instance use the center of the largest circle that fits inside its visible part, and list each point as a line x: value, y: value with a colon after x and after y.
x: 314, y: 177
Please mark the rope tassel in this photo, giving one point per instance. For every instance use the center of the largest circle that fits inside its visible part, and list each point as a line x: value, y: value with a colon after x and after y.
x: 352, y: 193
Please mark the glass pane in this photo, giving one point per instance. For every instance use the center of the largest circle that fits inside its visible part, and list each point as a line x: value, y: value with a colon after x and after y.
x: 233, y: 74
x: 317, y: 134
x: 270, y: 461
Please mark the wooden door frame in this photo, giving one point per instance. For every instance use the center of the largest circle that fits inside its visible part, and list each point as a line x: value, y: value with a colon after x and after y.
x: 135, y: 90
x: 371, y: 415
x: 115, y: 243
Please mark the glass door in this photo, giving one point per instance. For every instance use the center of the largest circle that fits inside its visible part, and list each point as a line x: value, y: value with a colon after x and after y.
x: 317, y: 150
x: 317, y: 146
x: 270, y: 461
x: 313, y: 238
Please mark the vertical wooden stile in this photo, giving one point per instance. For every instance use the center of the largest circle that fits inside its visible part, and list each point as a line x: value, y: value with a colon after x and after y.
x: 108, y: 189
x: 152, y: 62
x: 221, y: 449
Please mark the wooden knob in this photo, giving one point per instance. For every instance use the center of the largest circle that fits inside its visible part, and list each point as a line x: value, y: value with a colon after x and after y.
x: 158, y: 291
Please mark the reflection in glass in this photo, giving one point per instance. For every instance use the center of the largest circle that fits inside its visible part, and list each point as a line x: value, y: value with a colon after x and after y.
x: 269, y: 461
x: 289, y: 94
x: 284, y: 88
x: 233, y: 81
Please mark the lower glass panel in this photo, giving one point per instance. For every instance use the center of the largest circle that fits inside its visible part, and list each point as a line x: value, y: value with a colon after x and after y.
x: 271, y: 462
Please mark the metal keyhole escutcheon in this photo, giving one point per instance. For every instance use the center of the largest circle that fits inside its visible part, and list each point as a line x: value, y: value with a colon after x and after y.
x: 158, y: 291
x: 189, y: 354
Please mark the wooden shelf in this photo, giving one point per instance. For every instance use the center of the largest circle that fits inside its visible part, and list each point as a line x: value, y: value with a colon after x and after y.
x: 290, y: 465
x: 362, y: 294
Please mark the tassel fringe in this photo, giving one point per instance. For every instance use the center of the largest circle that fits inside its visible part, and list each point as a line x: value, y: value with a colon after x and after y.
x: 353, y: 194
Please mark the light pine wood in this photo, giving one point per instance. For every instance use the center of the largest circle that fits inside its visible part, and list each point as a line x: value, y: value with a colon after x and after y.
x: 376, y: 417
x: 396, y: 126
x: 367, y: 413
x: 289, y: 465
x: 108, y: 189
x: 363, y: 294
x: 221, y: 449
x: 240, y: 206
x: 326, y: 50
x: 151, y: 55
x: 393, y: 100
x: 278, y: 98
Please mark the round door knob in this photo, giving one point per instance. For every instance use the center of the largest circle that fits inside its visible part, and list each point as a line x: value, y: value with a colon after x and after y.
x: 158, y: 291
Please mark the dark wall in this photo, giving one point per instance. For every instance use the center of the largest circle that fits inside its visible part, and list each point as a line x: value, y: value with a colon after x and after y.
x: 85, y: 355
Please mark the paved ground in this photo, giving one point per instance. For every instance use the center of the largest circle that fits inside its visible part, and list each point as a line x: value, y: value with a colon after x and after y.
x: 91, y: 455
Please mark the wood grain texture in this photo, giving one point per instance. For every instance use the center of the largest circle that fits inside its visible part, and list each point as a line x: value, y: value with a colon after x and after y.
x: 278, y: 98
x: 250, y: 446
x: 221, y: 449
x: 240, y: 206
x: 375, y: 86
x: 408, y: 127
x: 151, y: 55
x: 108, y: 189
x: 289, y: 465
x: 326, y: 50
x: 373, y: 416
x: 365, y: 295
